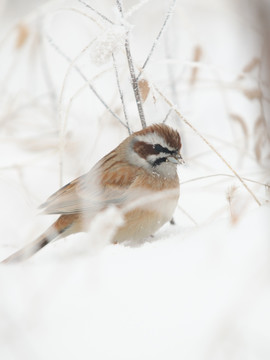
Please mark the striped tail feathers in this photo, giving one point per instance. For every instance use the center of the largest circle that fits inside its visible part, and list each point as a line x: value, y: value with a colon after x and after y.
x: 62, y: 224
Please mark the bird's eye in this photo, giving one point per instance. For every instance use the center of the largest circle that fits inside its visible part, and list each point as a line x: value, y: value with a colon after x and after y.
x: 161, y: 149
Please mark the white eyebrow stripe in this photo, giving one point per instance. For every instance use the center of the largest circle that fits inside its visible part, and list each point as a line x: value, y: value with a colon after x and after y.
x: 153, y: 157
x: 154, y: 139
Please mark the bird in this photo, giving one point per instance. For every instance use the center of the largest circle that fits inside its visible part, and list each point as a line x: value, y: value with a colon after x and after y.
x: 139, y: 177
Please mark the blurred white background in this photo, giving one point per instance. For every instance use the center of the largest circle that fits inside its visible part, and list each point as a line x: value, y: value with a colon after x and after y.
x: 199, y: 289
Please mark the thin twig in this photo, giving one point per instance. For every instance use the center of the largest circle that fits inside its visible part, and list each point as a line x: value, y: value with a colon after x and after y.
x: 121, y: 93
x: 135, y: 8
x: 71, y: 102
x: 97, y: 12
x: 80, y: 13
x: 169, y: 14
x: 88, y: 83
x: 52, y: 43
x: 208, y: 144
x: 70, y: 67
x: 135, y: 84
x: 187, y: 215
x: 46, y: 71
x: 134, y: 81
x: 170, y: 69
x: 168, y: 114
x: 263, y: 115
x: 227, y: 175
x: 63, y: 122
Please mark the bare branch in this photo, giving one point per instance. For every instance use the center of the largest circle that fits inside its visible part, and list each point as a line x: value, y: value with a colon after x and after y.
x: 170, y: 69
x: 136, y: 7
x: 187, y: 215
x: 134, y: 81
x: 169, y: 14
x: 121, y: 93
x: 97, y: 12
x: 52, y: 43
x: 168, y: 115
x: 80, y: 13
x: 227, y: 175
x: 209, y: 145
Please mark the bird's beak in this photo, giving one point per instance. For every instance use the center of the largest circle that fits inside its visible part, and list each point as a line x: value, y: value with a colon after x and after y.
x: 176, y: 159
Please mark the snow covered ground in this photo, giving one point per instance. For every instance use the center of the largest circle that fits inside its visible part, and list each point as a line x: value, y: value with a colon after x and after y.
x: 199, y: 289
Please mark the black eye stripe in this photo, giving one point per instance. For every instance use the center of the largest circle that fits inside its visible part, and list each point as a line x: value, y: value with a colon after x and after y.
x: 162, y: 149
x: 159, y: 161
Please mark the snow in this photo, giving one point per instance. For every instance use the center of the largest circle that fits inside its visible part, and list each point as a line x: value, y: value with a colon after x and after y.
x: 200, y: 295
x: 199, y: 289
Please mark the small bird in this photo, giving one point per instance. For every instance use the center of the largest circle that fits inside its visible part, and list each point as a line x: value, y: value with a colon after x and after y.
x: 139, y: 177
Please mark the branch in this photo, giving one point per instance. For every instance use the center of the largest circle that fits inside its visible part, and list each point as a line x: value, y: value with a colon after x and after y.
x: 208, y: 144
x: 97, y: 12
x: 169, y: 14
x: 227, y: 175
x: 134, y: 81
x: 121, y: 94
x: 75, y: 67
x: 168, y: 114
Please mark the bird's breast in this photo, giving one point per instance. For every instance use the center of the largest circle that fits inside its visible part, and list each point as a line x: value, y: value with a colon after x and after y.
x: 148, y: 214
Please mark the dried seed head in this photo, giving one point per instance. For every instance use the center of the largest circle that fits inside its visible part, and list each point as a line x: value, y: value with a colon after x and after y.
x: 144, y: 89
x: 23, y: 34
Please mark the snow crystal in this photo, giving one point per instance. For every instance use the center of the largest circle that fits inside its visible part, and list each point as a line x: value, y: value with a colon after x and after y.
x: 109, y: 41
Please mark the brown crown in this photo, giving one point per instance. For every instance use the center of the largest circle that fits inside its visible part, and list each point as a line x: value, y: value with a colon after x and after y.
x: 170, y: 135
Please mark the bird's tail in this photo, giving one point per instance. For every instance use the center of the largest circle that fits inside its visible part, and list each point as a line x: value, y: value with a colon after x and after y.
x: 57, y: 229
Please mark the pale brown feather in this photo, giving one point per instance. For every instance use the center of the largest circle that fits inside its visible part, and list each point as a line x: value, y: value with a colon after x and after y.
x: 112, y: 181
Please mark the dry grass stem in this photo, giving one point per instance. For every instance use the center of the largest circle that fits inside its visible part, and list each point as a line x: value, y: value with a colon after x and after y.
x: 60, y: 52
x: 135, y: 84
x: 96, y: 12
x: 167, y: 115
x: 258, y: 124
x: 74, y: 96
x: 261, y: 137
x: 253, y: 94
x: 239, y: 120
x: 222, y: 175
x: 70, y: 67
x: 187, y: 215
x: 134, y: 80
x: 209, y: 145
x: 252, y: 65
x: 235, y: 209
x: 63, y: 121
x: 229, y: 195
x: 121, y: 93
x: 135, y: 8
x: 81, y: 13
x: 167, y: 18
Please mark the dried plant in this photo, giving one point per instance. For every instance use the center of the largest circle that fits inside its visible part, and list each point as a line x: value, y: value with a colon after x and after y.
x: 261, y: 138
x: 253, y: 64
x: 237, y: 204
x: 109, y: 50
x: 197, y: 56
x: 144, y: 89
x: 239, y: 120
x: 230, y: 196
x: 23, y: 34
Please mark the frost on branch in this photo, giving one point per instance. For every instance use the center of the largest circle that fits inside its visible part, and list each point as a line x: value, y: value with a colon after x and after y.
x: 108, y: 42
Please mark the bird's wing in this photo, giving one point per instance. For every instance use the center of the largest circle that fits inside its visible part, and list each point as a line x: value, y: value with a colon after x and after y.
x: 92, y: 192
